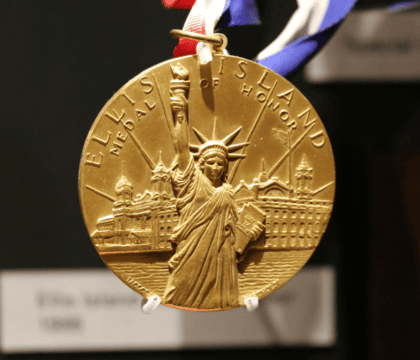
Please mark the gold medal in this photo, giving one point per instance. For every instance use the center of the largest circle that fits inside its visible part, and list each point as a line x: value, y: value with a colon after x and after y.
x: 207, y: 184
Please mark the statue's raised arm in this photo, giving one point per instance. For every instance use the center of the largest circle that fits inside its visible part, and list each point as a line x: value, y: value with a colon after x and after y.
x: 179, y: 106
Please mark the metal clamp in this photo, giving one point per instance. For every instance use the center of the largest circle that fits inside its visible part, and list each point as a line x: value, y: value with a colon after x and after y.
x: 149, y: 305
x: 251, y: 303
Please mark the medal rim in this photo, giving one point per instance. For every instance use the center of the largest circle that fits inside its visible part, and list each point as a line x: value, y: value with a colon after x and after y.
x: 101, y: 114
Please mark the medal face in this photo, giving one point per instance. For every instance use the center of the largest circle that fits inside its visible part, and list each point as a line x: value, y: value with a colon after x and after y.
x: 207, y: 184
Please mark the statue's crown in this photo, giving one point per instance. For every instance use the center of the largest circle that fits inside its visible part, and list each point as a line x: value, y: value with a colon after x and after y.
x: 213, y: 146
x: 222, y: 147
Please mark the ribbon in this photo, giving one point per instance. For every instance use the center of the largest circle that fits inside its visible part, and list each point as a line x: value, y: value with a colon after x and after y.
x: 178, y: 4
x: 205, y: 14
x: 309, y: 28
x: 401, y: 6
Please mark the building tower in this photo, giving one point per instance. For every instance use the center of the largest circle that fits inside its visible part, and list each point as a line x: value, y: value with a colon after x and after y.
x: 161, y: 182
x: 124, y: 191
x: 303, y: 180
x: 263, y: 176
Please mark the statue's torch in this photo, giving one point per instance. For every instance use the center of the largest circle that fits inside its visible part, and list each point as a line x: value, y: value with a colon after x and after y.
x: 180, y: 87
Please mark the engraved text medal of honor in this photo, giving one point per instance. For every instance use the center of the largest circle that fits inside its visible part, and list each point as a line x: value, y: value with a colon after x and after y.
x: 207, y: 183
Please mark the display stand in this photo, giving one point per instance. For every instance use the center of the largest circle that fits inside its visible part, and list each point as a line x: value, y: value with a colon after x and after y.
x: 149, y: 305
x: 251, y: 303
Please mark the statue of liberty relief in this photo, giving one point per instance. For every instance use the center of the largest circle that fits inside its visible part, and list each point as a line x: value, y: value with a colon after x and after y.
x: 203, y: 270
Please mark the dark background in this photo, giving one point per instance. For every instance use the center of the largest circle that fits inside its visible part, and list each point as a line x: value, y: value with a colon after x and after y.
x: 61, y: 60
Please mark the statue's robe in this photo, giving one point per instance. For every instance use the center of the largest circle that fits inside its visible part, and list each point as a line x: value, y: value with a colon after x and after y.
x: 203, y: 271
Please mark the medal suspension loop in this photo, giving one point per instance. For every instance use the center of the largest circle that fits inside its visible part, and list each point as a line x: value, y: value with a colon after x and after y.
x: 208, y: 45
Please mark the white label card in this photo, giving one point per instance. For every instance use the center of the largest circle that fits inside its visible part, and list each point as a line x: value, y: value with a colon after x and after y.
x: 88, y: 310
x: 373, y: 45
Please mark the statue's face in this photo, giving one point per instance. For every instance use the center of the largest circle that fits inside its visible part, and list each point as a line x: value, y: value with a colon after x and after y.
x: 214, y: 167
